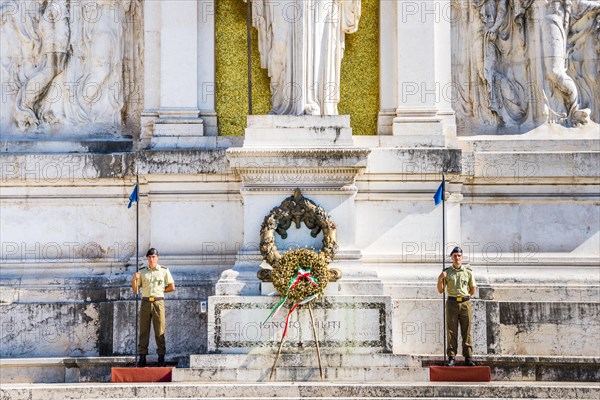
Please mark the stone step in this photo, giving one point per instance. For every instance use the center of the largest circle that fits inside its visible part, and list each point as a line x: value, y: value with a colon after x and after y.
x: 60, y: 370
x: 413, y: 390
x: 302, y: 367
x: 306, y: 359
x: 302, y: 374
x: 298, y: 367
x: 534, y: 368
x: 379, y: 367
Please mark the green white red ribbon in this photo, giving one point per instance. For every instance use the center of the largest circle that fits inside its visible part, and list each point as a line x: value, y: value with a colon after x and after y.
x: 303, y: 274
x: 276, y: 308
x: 285, y: 328
x: 300, y: 274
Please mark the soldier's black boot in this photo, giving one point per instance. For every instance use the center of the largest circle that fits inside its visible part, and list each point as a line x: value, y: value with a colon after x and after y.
x: 161, y: 360
x: 141, y: 361
x: 451, y: 362
x: 469, y: 362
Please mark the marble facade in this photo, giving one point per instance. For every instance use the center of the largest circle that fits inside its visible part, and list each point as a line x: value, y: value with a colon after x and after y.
x: 520, y: 152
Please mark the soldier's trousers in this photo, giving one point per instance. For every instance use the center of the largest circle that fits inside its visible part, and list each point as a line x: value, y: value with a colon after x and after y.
x: 459, y: 314
x: 155, y: 312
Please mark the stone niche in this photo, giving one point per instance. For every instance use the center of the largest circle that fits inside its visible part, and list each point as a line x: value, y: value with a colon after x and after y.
x: 71, y: 68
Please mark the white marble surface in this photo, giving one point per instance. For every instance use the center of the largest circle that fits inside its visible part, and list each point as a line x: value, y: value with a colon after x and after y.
x: 418, y: 327
x: 357, y: 324
x: 289, y: 131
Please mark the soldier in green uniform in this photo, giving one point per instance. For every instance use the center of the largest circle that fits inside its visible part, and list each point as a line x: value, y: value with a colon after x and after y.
x: 155, y: 280
x: 460, y: 286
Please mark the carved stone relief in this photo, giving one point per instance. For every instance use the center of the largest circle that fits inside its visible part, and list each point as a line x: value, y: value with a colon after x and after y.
x: 68, y: 63
x: 518, y: 64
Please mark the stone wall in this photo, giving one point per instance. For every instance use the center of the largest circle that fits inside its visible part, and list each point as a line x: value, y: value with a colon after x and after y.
x: 68, y: 247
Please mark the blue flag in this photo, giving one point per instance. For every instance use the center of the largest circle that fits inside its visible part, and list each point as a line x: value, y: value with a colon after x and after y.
x: 437, y: 197
x: 133, y: 197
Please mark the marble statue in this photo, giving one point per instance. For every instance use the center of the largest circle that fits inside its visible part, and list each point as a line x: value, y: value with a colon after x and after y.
x: 67, y: 63
x: 100, y: 95
x: 301, y: 43
x: 505, y: 95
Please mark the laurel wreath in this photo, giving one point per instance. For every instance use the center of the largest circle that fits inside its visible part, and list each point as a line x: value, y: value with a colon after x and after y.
x: 287, y: 268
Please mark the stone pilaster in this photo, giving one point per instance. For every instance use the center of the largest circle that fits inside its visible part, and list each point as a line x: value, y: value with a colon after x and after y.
x: 424, y: 116
x: 178, y: 124
x: 206, y: 66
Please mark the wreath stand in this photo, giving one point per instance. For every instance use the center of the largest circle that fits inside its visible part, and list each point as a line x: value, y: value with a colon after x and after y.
x: 314, y: 329
x: 298, y: 209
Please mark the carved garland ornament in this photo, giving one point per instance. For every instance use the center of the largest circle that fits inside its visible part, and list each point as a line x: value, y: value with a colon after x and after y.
x: 299, y: 275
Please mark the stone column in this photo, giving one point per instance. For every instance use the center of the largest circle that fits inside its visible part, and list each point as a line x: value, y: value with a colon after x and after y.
x: 179, y: 124
x: 424, y: 116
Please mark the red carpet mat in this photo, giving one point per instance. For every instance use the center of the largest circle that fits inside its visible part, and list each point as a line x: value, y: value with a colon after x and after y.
x: 147, y: 374
x: 460, y: 374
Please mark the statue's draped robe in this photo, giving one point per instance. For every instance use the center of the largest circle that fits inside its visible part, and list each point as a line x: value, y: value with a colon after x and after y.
x: 301, y: 43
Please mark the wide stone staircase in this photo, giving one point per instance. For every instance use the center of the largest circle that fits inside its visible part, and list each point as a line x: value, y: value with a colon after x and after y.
x: 303, y: 390
x: 297, y: 376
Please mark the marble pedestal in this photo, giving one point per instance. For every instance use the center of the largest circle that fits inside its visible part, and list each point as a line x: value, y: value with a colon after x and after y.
x: 316, y: 155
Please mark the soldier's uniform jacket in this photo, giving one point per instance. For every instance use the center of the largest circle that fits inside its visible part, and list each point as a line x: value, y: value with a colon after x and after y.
x: 459, y: 281
x: 154, y: 281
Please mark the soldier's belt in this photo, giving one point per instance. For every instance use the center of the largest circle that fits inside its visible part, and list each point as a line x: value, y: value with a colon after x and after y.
x: 152, y: 299
x: 459, y: 299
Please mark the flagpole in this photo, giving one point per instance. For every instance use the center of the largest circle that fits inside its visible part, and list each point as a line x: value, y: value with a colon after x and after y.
x: 444, y: 259
x: 249, y: 50
x: 137, y: 254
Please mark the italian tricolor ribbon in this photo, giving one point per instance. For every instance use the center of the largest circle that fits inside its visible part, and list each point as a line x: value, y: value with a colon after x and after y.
x: 303, y: 274
x: 287, y: 318
x: 300, y: 274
